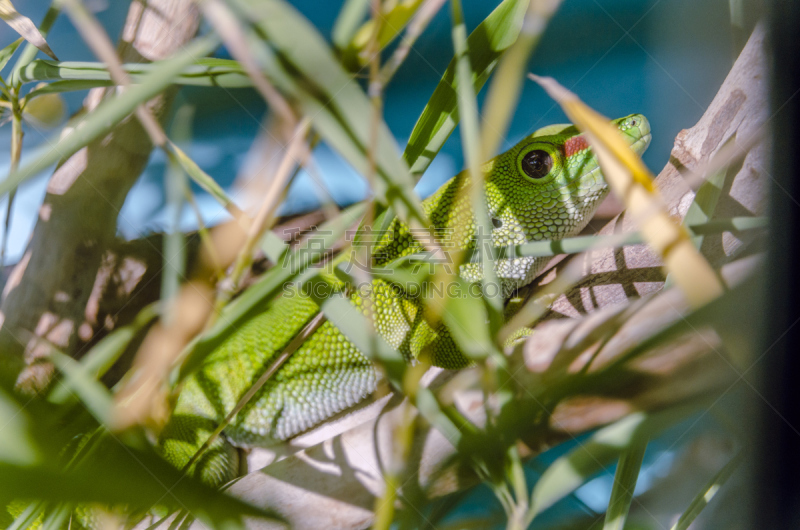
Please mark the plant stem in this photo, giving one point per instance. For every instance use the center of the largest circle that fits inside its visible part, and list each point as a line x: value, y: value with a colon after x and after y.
x: 16, y: 152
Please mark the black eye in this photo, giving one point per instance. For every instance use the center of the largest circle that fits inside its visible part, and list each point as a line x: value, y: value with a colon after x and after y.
x: 537, y: 164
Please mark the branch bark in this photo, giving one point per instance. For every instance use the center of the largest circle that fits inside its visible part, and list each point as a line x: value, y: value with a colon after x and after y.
x: 48, y: 294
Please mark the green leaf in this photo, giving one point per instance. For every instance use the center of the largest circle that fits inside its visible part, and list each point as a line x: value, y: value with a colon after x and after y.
x: 108, y: 114
x: 732, y: 224
x: 570, y: 471
x: 467, y: 320
x: 32, y: 513
x: 630, y: 462
x: 705, y: 496
x: 206, y: 71
x: 121, y: 475
x: 78, y: 379
x: 176, y: 185
x: 58, y: 87
x: 7, y: 52
x: 105, y: 353
x: 504, y: 91
x: 110, y: 470
x: 350, y: 16
x: 57, y: 517
x: 705, y: 202
x: 735, y: 316
x: 203, y: 179
x: 340, y: 110
x: 393, y: 21
x: 24, y: 26
x: 468, y: 110
x: 578, y: 244
x: 430, y: 409
x: 16, y: 445
x: 439, y: 118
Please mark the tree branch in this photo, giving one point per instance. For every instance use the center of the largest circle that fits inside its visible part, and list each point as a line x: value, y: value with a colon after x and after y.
x: 47, y: 295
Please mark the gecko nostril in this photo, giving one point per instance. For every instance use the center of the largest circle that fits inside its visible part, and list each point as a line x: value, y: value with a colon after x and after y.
x: 497, y: 223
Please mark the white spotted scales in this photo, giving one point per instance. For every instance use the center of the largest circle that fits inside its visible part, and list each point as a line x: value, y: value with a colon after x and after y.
x: 548, y: 186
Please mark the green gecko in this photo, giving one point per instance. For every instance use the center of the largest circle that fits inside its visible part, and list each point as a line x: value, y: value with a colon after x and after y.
x: 548, y: 186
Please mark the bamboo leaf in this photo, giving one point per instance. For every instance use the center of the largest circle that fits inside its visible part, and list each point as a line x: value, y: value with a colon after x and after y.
x: 176, y: 187
x: 470, y: 140
x: 340, y: 110
x: 227, y: 26
x: 105, y: 353
x: 486, y: 44
x: 572, y: 470
x: 578, y: 244
x: 57, y: 517
x: 24, y: 26
x: 736, y: 327
x: 203, y: 179
x: 705, y: 496
x: 108, y: 114
x: 206, y: 71
x: 503, y: 95
x: 347, y: 22
x: 120, y: 470
x: 94, y: 396
x: 465, y: 315
x: 7, y: 52
x: 17, y: 446
x: 430, y: 409
x: 416, y: 27
x: 118, y: 475
x: 30, y: 517
x: 630, y: 462
x: 394, y: 19
x: 68, y: 85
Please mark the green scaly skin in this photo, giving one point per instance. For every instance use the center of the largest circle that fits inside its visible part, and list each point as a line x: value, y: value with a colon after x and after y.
x: 327, y: 374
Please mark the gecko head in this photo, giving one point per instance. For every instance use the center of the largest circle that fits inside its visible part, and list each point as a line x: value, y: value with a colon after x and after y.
x: 549, y: 185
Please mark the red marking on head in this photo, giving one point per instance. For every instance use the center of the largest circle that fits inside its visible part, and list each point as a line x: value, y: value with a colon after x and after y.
x: 575, y: 144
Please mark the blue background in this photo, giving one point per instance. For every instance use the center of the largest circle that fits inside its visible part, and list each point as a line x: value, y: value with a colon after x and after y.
x: 663, y: 58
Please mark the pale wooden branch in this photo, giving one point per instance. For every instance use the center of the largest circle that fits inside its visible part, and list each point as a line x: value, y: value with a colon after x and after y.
x: 331, y: 476
x: 48, y: 294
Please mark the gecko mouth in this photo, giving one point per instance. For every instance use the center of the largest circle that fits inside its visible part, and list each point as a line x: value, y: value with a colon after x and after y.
x: 641, y: 145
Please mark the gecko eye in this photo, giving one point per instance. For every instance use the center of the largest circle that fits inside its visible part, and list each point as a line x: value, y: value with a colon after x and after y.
x: 537, y: 164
